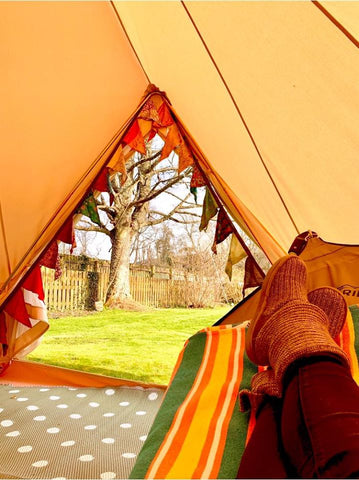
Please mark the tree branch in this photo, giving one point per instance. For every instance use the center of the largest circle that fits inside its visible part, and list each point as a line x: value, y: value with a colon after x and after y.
x: 144, y: 160
x: 155, y: 193
x: 93, y: 228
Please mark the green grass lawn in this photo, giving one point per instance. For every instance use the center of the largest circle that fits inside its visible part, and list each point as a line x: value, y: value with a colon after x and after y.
x: 133, y: 345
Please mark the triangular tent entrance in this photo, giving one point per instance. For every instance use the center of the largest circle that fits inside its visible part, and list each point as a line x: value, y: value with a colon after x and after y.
x: 267, y: 94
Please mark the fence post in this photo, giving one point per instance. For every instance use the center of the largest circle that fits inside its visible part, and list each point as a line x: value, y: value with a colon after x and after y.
x: 93, y: 287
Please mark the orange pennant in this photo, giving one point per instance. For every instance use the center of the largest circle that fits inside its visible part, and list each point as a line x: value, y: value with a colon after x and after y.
x: 185, y: 158
x: 173, y: 140
x: 118, y: 164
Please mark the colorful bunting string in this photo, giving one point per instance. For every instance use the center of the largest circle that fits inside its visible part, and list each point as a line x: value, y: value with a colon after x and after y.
x: 223, y: 229
x: 236, y: 254
x: 89, y: 209
x: 252, y: 276
x: 209, y: 210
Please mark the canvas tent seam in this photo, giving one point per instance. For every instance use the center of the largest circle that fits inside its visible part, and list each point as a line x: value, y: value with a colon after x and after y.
x: 5, y: 241
x: 336, y: 22
x: 130, y: 42
x: 241, y: 116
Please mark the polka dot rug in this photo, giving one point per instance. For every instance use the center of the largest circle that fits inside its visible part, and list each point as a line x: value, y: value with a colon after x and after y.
x: 64, y: 432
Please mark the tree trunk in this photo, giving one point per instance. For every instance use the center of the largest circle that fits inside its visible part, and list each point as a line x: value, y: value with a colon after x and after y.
x: 119, y: 283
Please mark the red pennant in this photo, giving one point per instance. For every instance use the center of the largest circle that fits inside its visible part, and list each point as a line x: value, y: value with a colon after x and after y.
x: 101, y: 182
x: 67, y: 233
x: 16, y: 308
x: 3, y: 333
x: 223, y: 229
x: 50, y: 259
x: 33, y: 282
x: 134, y: 138
x: 165, y: 115
x: 197, y: 179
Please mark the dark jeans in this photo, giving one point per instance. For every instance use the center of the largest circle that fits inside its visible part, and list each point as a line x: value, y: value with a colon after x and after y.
x: 313, y: 432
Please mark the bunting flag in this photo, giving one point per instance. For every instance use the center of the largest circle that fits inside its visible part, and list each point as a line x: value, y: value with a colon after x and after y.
x: 172, y: 140
x: 118, y: 164
x: 149, y: 112
x: 33, y: 282
x: 197, y: 179
x: 3, y: 334
x: 102, y: 181
x: 223, y: 229
x: 134, y: 138
x: 89, y: 209
x: 165, y: 116
x: 16, y: 308
x: 252, y: 276
x: 194, y: 192
x: 236, y: 254
x: 67, y: 233
x: 209, y: 210
x: 185, y: 158
x: 51, y: 259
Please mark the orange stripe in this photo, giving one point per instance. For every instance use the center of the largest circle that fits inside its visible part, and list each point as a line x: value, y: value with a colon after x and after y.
x: 157, y: 468
x: 233, y: 399
x: 212, y: 427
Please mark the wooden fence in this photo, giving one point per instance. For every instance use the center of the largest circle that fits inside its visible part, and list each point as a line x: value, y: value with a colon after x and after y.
x: 78, y: 288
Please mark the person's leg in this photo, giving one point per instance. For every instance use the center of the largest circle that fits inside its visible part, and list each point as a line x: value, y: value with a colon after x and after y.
x: 320, y: 420
x: 263, y: 456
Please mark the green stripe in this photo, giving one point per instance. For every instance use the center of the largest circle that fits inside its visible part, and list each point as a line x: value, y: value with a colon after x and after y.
x: 354, y: 310
x: 237, y: 430
x: 175, y: 396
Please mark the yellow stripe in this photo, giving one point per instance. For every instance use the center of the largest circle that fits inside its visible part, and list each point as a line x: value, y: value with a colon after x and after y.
x: 214, y: 448
x: 191, y: 450
x: 181, y: 411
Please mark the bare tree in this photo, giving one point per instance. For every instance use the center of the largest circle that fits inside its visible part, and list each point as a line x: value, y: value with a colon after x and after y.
x: 135, y: 207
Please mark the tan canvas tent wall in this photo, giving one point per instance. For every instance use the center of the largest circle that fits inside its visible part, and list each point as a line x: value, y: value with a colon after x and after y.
x: 75, y: 71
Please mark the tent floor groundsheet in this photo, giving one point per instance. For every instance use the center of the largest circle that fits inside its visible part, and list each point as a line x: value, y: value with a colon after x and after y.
x: 68, y: 432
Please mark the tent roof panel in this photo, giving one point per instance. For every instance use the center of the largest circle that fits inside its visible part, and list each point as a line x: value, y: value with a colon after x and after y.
x: 71, y: 81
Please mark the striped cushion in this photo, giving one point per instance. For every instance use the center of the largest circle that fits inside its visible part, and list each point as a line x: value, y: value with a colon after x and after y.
x: 199, y: 431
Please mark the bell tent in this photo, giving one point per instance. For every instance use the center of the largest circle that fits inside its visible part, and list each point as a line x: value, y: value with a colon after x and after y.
x: 261, y: 98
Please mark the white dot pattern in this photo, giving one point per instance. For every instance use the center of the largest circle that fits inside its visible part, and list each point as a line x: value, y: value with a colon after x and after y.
x: 108, y: 440
x: 69, y: 443
x: 40, y: 463
x: 107, y: 475
x: 128, y: 455
x: 53, y: 430
x: 40, y: 418
x: 32, y: 408
x: 7, y: 423
x: 89, y: 425
x: 25, y: 449
x: 86, y: 458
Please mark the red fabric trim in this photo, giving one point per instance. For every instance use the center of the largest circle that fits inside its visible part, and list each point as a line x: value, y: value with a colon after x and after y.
x: 16, y: 308
x: 33, y: 282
